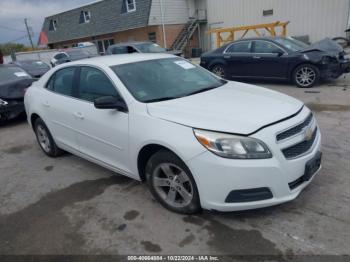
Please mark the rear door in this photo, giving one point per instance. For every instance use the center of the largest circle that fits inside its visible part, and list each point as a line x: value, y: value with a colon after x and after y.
x: 58, y: 105
x: 268, y: 60
x: 238, y: 56
x: 102, y: 133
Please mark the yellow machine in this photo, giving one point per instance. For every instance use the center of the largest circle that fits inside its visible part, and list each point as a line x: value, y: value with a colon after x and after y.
x: 230, y: 32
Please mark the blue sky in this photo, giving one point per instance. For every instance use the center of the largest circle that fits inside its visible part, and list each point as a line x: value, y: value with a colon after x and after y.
x: 13, y: 12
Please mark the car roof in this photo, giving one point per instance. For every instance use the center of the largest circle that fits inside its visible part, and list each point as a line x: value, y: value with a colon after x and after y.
x: 270, y: 38
x: 112, y: 60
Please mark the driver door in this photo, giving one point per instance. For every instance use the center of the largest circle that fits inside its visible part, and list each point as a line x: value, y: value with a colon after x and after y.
x: 268, y: 60
x: 103, y: 134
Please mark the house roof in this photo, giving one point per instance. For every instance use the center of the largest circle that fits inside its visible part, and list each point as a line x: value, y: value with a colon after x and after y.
x: 107, y: 16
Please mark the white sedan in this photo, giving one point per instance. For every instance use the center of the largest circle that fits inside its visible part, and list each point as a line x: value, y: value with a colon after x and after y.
x: 197, y: 140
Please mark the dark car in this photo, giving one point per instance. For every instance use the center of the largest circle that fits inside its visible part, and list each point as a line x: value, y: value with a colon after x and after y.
x: 35, y: 68
x: 70, y: 55
x: 278, y: 58
x: 1, y: 57
x: 13, y: 83
x: 139, y: 47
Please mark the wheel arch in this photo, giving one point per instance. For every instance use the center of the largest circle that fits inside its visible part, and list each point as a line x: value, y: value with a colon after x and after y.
x: 216, y: 62
x: 146, y: 152
x: 33, y: 118
x: 294, y: 67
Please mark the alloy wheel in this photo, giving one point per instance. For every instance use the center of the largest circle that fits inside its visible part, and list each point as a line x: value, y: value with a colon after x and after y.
x: 219, y: 71
x: 305, y: 76
x: 173, y: 185
x: 43, y: 138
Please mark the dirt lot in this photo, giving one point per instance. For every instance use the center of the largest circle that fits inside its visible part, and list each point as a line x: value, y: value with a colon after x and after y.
x: 70, y: 206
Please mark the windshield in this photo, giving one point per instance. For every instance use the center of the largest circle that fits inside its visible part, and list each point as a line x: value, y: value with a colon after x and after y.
x: 292, y: 44
x: 8, y: 74
x: 33, y: 65
x: 150, y: 48
x: 165, y: 79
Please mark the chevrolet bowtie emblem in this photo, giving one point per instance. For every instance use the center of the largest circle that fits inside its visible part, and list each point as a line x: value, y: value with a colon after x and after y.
x: 308, y: 134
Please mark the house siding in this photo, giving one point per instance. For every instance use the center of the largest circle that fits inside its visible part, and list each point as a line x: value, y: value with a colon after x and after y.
x: 106, y: 17
x: 175, y: 11
x: 138, y: 34
x: 315, y: 18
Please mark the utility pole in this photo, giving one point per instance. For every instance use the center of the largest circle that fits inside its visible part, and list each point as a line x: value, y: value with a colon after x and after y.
x: 163, y: 26
x: 29, y: 35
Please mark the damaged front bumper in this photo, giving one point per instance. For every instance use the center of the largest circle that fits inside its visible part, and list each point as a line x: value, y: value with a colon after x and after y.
x: 345, y: 65
x: 11, y: 110
x: 335, y: 70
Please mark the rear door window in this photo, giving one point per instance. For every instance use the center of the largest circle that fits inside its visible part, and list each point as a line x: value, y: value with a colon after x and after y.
x: 60, y: 56
x: 241, y: 47
x: 120, y: 50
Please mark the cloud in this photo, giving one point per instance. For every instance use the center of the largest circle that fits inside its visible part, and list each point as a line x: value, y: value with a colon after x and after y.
x: 12, y: 14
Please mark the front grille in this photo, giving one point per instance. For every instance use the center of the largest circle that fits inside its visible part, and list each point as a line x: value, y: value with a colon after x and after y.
x: 295, y: 130
x: 301, y: 148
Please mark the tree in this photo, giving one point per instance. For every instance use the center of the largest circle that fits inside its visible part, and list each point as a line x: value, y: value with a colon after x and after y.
x: 8, y: 48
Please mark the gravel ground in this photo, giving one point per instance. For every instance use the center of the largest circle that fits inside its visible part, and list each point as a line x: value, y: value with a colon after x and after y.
x: 70, y: 206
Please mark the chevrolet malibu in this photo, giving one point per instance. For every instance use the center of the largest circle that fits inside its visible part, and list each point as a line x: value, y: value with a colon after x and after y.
x: 198, y: 141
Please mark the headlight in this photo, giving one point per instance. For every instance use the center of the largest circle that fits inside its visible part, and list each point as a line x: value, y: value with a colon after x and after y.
x: 3, y: 102
x: 231, y: 146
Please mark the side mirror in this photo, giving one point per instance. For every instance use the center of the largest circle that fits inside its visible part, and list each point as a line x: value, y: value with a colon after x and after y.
x: 110, y: 102
x: 280, y: 53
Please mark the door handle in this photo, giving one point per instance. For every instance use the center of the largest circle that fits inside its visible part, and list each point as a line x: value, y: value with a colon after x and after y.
x: 227, y: 56
x: 79, y: 115
x: 46, y: 104
x: 256, y: 57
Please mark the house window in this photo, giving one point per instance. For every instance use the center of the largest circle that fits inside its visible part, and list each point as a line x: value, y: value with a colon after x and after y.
x: 53, y: 25
x: 85, y: 17
x: 152, y: 36
x: 130, y: 5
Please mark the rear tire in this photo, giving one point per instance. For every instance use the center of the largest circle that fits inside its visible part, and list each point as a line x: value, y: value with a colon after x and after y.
x: 172, y: 184
x: 306, y: 76
x: 45, y: 140
x: 219, y: 70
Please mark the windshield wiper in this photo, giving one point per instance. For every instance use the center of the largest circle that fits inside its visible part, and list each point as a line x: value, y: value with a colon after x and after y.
x: 160, y: 99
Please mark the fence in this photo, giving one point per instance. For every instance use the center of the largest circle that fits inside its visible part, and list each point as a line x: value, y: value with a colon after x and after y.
x: 44, y: 55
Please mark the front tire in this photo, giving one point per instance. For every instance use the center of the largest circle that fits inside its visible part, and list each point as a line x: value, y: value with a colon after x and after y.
x: 306, y: 76
x: 45, y: 140
x: 172, y: 184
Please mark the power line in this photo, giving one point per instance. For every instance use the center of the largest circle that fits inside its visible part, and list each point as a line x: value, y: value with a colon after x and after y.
x: 11, y: 29
x: 14, y: 40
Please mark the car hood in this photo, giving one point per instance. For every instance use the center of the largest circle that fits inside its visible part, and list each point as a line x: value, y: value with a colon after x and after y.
x: 326, y: 45
x: 233, y: 108
x: 14, y: 89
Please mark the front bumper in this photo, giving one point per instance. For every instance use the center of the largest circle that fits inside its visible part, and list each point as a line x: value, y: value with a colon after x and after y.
x: 217, y: 177
x: 12, y: 110
x: 335, y: 70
